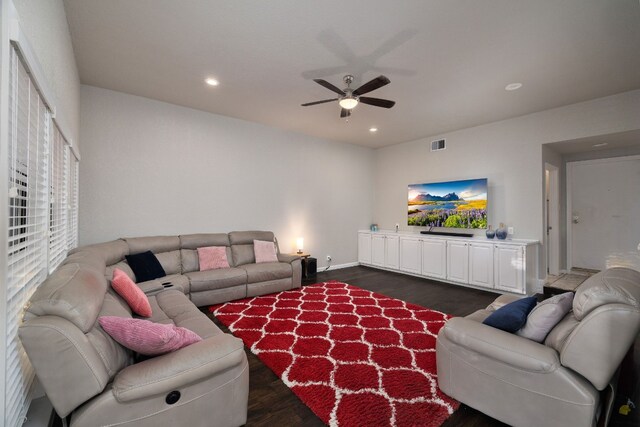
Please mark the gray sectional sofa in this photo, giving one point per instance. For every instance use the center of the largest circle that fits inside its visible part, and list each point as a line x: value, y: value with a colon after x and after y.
x: 90, y: 376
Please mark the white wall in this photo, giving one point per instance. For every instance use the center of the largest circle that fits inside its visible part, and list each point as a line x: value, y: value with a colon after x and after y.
x: 44, y: 22
x: 508, y: 153
x: 150, y: 168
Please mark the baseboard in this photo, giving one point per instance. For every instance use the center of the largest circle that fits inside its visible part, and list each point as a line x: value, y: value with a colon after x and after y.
x: 338, y: 266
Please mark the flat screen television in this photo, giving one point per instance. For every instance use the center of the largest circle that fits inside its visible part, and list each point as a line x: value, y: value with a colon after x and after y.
x: 453, y: 204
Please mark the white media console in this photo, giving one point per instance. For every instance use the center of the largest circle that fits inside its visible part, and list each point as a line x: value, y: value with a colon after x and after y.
x: 503, y: 265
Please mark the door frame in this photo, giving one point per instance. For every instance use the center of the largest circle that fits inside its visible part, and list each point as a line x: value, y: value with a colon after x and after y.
x: 552, y: 241
x: 569, y: 169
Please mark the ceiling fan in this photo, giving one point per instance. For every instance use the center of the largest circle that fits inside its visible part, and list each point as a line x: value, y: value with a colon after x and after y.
x: 350, y: 98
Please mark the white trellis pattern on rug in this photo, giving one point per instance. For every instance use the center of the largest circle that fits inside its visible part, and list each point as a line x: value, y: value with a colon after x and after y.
x: 353, y: 356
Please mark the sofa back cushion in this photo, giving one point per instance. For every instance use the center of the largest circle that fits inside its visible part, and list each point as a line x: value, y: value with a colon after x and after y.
x: 604, y: 324
x: 170, y: 262
x: 67, y: 349
x: 155, y: 244
x: 109, y: 252
x: 242, y: 245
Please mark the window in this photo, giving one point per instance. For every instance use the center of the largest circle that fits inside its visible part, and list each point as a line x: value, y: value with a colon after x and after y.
x: 72, y: 217
x: 29, y: 126
x: 58, y: 205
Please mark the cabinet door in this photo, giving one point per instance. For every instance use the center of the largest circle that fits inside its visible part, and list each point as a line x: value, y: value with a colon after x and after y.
x: 458, y: 261
x: 377, y: 250
x: 509, y: 268
x: 434, y: 258
x: 392, y: 252
x: 410, y: 255
x: 364, y: 248
x: 481, y: 264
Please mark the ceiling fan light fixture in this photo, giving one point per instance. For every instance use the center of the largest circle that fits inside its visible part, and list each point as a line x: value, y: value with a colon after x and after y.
x: 348, y: 102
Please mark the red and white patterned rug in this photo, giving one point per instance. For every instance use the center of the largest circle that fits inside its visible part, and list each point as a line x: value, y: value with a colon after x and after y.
x: 355, y: 357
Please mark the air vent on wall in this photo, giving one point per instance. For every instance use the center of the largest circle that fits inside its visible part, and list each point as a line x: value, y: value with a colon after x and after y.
x: 438, y: 145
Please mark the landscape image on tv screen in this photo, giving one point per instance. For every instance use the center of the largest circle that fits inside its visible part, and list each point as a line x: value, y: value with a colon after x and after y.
x: 454, y: 204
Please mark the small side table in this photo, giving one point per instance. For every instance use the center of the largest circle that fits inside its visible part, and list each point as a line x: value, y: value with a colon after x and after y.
x: 309, y: 266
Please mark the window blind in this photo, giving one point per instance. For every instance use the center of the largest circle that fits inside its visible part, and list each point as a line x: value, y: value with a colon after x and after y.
x: 58, y: 184
x: 29, y: 126
x: 72, y: 217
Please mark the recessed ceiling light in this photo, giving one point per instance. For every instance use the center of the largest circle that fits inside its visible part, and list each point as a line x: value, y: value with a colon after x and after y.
x: 513, y: 86
x: 211, y: 81
x: 601, y: 144
x: 372, y: 130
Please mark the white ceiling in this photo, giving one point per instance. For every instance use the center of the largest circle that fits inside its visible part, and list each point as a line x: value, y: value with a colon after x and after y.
x: 448, y: 60
x: 611, y: 141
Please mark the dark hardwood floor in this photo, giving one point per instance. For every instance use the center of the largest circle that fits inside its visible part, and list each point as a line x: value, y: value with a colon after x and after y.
x: 273, y: 403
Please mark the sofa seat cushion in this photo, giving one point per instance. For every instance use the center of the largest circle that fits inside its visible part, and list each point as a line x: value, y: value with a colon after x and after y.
x: 266, y: 271
x: 216, y: 279
x: 173, y: 307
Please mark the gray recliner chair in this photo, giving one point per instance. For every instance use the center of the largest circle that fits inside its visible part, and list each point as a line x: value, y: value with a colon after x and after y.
x: 557, y: 383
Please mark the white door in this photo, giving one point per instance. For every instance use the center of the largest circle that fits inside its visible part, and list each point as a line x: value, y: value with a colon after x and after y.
x: 605, y: 206
x: 392, y: 252
x: 434, y: 258
x: 458, y: 261
x: 509, y: 268
x: 364, y: 248
x: 377, y: 250
x: 481, y: 264
x: 410, y: 255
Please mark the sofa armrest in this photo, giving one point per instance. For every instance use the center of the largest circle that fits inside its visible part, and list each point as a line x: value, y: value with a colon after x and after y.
x: 287, y: 258
x: 511, y: 349
x: 150, y: 286
x: 171, y: 371
x: 502, y: 300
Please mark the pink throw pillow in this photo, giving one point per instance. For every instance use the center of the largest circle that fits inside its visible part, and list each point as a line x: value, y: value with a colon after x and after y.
x: 213, y: 258
x: 146, y: 337
x: 264, y: 251
x: 131, y: 293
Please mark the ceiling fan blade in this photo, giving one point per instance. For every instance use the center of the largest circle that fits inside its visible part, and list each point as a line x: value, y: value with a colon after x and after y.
x: 345, y: 113
x: 319, y: 102
x: 377, y: 102
x: 329, y: 86
x: 374, y: 84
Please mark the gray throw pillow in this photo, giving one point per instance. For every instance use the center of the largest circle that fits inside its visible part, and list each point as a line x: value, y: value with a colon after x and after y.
x: 545, y: 316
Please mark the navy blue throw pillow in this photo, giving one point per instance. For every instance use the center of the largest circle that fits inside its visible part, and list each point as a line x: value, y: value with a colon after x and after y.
x: 145, y: 266
x: 513, y: 316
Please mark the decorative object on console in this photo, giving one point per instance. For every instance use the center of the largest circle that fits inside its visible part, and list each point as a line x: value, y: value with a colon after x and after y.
x: 454, y: 204
x: 146, y: 337
x: 264, y: 251
x: 145, y: 266
x: 374, y: 227
x: 131, y: 293
x: 332, y: 339
x: 501, y: 232
x: 300, y: 245
x: 491, y: 233
x: 512, y: 316
x: 212, y: 258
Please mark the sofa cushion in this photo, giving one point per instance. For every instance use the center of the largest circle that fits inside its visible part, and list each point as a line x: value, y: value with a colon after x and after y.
x: 122, y: 266
x: 145, y: 266
x: 195, y: 241
x: 131, y: 293
x: 212, y: 258
x: 216, y: 279
x: 545, y: 316
x: 154, y: 244
x: 173, y: 307
x: 191, y: 263
x: 170, y: 262
x: 72, y: 292
x: 267, y: 271
x: 512, y: 316
x: 146, y: 337
x: 613, y: 286
x: 242, y: 245
x: 264, y: 251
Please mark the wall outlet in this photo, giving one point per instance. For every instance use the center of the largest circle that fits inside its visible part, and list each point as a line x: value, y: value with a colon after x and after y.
x: 510, y: 230
x: 328, y: 258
